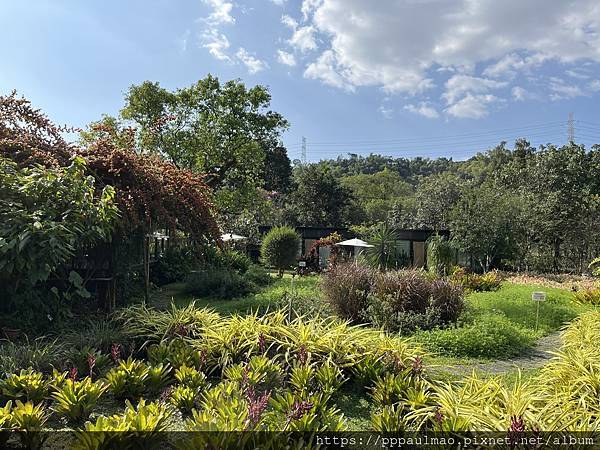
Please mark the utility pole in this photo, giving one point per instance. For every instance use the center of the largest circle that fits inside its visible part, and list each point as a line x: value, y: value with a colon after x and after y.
x: 303, y: 157
x: 571, y: 128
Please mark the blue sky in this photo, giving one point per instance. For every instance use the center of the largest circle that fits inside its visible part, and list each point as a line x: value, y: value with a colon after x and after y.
x: 397, y: 77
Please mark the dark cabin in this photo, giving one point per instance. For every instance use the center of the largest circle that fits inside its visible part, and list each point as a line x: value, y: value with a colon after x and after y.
x: 412, y: 242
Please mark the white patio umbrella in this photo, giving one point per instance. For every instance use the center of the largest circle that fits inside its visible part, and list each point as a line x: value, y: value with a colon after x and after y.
x: 232, y: 237
x: 357, y: 244
x: 354, y: 243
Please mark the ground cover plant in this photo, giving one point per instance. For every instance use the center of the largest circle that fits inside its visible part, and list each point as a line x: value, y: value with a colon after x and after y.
x: 500, y: 324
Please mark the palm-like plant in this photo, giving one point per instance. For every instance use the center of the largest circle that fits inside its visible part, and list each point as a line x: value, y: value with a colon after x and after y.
x: 385, y: 253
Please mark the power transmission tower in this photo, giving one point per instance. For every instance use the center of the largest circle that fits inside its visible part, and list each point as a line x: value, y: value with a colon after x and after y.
x: 571, y: 128
x: 303, y: 157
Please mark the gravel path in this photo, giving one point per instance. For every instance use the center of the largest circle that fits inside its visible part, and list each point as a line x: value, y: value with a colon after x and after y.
x: 536, y: 357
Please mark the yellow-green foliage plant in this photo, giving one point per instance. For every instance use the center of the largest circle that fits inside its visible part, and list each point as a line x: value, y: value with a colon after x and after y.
x: 563, y: 397
x: 26, y: 385
x: 30, y: 419
x: 572, y: 380
x: 219, y: 342
x: 587, y: 297
x: 75, y: 399
x: 137, y: 425
x: 128, y: 379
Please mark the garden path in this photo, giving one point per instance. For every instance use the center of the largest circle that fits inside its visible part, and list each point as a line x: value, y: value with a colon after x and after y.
x: 534, y: 358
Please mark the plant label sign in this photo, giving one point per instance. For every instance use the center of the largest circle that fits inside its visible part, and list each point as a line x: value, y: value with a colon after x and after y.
x: 538, y: 296
x: 301, y: 263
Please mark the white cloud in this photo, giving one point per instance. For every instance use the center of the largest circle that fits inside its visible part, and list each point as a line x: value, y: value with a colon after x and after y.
x: 217, y: 44
x: 326, y: 70
x: 578, y: 74
x: 519, y: 93
x: 511, y: 64
x: 285, y: 58
x: 183, y: 41
x: 562, y: 90
x: 212, y: 38
x: 221, y: 12
x: 386, y: 111
x: 423, y: 109
x: 309, y: 6
x: 253, y: 64
x: 304, y: 39
x: 289, y: 21
x: 459, y: 85
x: 472, y: 106
x: 395, y: 45
x: 279, y: 2
x: 594, y: 85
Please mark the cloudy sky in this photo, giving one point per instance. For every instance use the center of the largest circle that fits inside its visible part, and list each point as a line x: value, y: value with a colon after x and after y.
x: 397, y: 77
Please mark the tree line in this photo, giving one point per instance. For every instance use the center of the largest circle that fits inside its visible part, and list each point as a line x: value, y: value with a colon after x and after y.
x: 522, y: 208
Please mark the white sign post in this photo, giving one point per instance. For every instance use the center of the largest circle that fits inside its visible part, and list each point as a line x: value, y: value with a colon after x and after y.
x: 538, y: 297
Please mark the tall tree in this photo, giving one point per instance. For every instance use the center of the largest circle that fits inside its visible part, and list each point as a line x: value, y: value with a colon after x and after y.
x: 224, y: 130
x: 318, y: 198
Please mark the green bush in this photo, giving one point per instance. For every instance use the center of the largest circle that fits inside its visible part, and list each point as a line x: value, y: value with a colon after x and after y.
x: 257, y: 275
x: 234, y: 260
x: 279, y: 248
x: 218, y: 283
x: 175, y: 265
x: 75, y: 399
x: 490, y: 336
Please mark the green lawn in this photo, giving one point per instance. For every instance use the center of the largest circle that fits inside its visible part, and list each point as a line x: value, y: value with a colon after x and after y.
x: 270, y: 297
x: 502, y: 324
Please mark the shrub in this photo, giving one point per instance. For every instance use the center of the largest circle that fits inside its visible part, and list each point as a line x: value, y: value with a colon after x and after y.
x: 346, y: 288
x: 137, y: 427
x: 174, y: 265
x: 279, y: 248
x: 257, y: 275
x: 217, y: 283
x: 75, y: 399
x: 183, y: 398
x: 159, y: 376
x: 96, y: 334
x: 30, y: 419
x: 440, y: 255
x: 470, y: 282
x: 89, y: 361
x: 588, y: 297
x: 190, y: 377
x: 395, y: 300
x: 234, y: 260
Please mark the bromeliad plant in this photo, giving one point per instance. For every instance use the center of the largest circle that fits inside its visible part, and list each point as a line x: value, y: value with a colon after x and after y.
x: 75, y: 399
x: 139, y: 425
x: 29, y: 419
x: 27, y: 384
x: 128, y: 379
x: 191, y: 377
